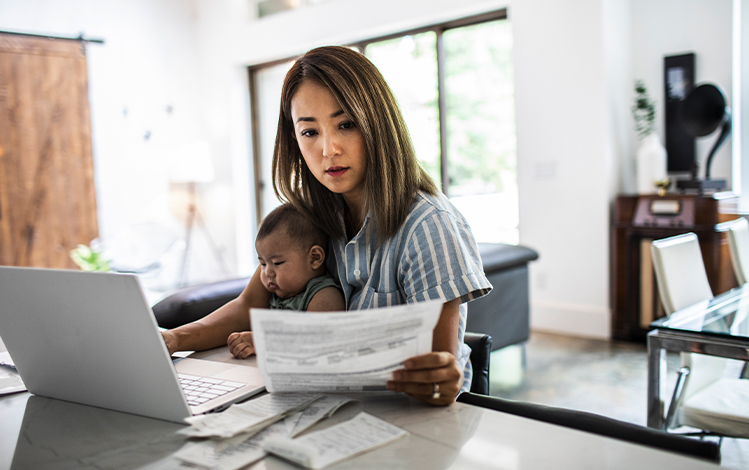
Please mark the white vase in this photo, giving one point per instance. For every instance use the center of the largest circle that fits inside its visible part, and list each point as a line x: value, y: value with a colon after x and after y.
x: 651, y: 163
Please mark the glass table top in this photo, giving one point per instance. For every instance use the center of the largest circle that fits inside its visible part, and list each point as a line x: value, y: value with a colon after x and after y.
x: 724, y: 315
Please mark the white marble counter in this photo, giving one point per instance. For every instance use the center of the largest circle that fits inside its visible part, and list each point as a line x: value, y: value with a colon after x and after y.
x: 38, y: 433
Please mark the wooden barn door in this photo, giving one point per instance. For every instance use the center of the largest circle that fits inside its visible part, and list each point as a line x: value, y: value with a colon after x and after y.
x: 47, y: 195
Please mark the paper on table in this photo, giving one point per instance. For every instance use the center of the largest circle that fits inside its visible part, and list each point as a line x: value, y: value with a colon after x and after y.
x: 320, y: 409
x: 224, y: 454
x: 10, y: 383
x: 246, y: 448
x: 328, y: 446
x: 351, y: 351
x: 247, y: 417
x: 6, y: 360
x: 238, y: 451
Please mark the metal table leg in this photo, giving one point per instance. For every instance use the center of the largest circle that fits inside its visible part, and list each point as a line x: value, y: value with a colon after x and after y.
x: 657, y: 368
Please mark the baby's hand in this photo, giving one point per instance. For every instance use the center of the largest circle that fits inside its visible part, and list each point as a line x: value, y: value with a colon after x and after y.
x: 241, y: 345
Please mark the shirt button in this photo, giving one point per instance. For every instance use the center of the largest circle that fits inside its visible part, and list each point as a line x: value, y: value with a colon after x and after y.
x: 357, y: 272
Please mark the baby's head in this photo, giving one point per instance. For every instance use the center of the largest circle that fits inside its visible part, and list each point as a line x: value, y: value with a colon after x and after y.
x: 291, y: 251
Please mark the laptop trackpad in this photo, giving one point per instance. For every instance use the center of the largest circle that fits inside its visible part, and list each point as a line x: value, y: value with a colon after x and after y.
x: 219, y: 370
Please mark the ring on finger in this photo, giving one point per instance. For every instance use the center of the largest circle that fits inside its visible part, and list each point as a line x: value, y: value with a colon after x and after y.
x: 435, y: 391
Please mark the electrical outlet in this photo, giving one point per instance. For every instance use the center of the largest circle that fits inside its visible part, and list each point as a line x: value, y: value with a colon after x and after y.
x: 541, y: 281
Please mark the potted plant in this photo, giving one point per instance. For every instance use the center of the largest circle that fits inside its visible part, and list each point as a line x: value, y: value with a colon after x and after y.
x: 651, y: 155
x: 89, y: 259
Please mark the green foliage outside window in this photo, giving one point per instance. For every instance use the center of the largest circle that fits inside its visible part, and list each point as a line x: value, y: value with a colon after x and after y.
x: 480, y: 102
x: 479, y: 116
x: 409, y: 65
x: 480, y: 108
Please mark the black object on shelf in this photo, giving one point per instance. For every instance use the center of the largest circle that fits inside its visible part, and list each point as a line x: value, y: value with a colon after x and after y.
x: 678, y: 81
x: 703, y: 111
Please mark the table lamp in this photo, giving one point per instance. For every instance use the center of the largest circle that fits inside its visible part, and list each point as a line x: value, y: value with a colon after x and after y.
x: 703, y: 111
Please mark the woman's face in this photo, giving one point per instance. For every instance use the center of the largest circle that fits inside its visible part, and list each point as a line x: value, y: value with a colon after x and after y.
x: 331, y: 144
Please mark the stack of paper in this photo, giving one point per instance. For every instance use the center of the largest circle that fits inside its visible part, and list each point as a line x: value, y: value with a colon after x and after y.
x: 246, y: 447
x: 248, y: 417
x: 10, y: 383
x: 342, y: 441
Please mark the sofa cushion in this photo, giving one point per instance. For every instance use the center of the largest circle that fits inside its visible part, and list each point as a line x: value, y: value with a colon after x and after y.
x: 498, y: 256
x: 193, y: 303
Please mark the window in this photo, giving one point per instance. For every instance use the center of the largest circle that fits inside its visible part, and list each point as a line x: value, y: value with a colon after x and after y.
x: 265, y: 96
x: 409, y: 65
x: 454, y: 85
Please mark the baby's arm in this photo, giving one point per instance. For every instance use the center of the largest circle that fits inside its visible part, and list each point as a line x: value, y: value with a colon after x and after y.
x: 329, y: 299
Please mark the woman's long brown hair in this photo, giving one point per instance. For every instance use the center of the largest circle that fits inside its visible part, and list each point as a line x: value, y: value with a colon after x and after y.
x: 393, y: 175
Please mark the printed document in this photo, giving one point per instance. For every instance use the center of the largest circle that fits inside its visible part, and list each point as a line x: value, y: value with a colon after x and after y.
x: 340, y: 351
x: 10, y: 383
x: 245, y: 448
x: 328, y: 446
x: 251, y: 416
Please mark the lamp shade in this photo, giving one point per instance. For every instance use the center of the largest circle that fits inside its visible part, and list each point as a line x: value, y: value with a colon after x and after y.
x: 192, y: 163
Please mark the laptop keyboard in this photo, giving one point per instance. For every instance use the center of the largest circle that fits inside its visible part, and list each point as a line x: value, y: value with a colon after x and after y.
x: 199, y: 390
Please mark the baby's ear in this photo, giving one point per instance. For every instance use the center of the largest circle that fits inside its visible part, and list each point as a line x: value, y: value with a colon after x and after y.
x: 316, y: 256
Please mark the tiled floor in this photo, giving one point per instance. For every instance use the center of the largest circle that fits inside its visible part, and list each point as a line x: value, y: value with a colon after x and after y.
x: 604, y: 377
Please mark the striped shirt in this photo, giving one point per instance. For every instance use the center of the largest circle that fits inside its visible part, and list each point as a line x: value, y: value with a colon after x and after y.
x: 433, y: 256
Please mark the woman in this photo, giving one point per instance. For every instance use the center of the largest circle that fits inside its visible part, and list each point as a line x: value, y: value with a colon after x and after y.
x: 344, y: 158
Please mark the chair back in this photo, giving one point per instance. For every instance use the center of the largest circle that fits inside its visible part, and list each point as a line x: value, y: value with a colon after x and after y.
x: 705, y: 371
x: 680, y: 272
x: 738, y: 243
x: 481, y: 349
x: 682, y: 281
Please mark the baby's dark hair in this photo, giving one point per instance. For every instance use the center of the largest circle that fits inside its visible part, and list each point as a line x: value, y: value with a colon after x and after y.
x: 300, y: 229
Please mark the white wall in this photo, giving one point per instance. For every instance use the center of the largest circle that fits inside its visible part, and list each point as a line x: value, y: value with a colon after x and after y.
x: 670, y: 27
x: 565, y: 160
x: 148, y: 64
x: 741, y: 105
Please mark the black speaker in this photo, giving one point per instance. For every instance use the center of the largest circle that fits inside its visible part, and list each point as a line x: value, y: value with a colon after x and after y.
x: 703, y: 111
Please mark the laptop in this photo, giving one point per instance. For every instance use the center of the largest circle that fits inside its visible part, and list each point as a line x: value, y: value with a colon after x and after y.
x: 91, y: 338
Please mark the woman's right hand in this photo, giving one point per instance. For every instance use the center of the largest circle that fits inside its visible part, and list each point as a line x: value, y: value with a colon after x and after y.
x: 213, y: 330
x: 170, y: 339
x: 241, y: 345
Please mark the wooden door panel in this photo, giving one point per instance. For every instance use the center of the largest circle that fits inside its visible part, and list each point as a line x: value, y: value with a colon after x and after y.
x: 47, y: 194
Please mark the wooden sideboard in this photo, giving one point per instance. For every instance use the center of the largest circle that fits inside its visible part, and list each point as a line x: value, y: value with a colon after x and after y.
x: 640, y: 219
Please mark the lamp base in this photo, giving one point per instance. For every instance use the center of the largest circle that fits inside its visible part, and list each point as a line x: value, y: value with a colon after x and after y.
x: 701, y: 185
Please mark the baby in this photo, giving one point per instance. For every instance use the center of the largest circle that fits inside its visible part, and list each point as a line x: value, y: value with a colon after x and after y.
x: 292, y: 268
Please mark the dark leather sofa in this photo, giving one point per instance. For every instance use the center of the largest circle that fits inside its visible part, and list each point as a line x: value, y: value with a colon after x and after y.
x: 504, y: 312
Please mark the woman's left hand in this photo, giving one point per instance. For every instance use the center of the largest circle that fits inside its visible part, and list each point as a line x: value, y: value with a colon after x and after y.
x: 434, y: 378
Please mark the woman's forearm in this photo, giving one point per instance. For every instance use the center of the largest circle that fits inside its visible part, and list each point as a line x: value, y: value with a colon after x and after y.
x: 212, y: 330
x: 445, y: 335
